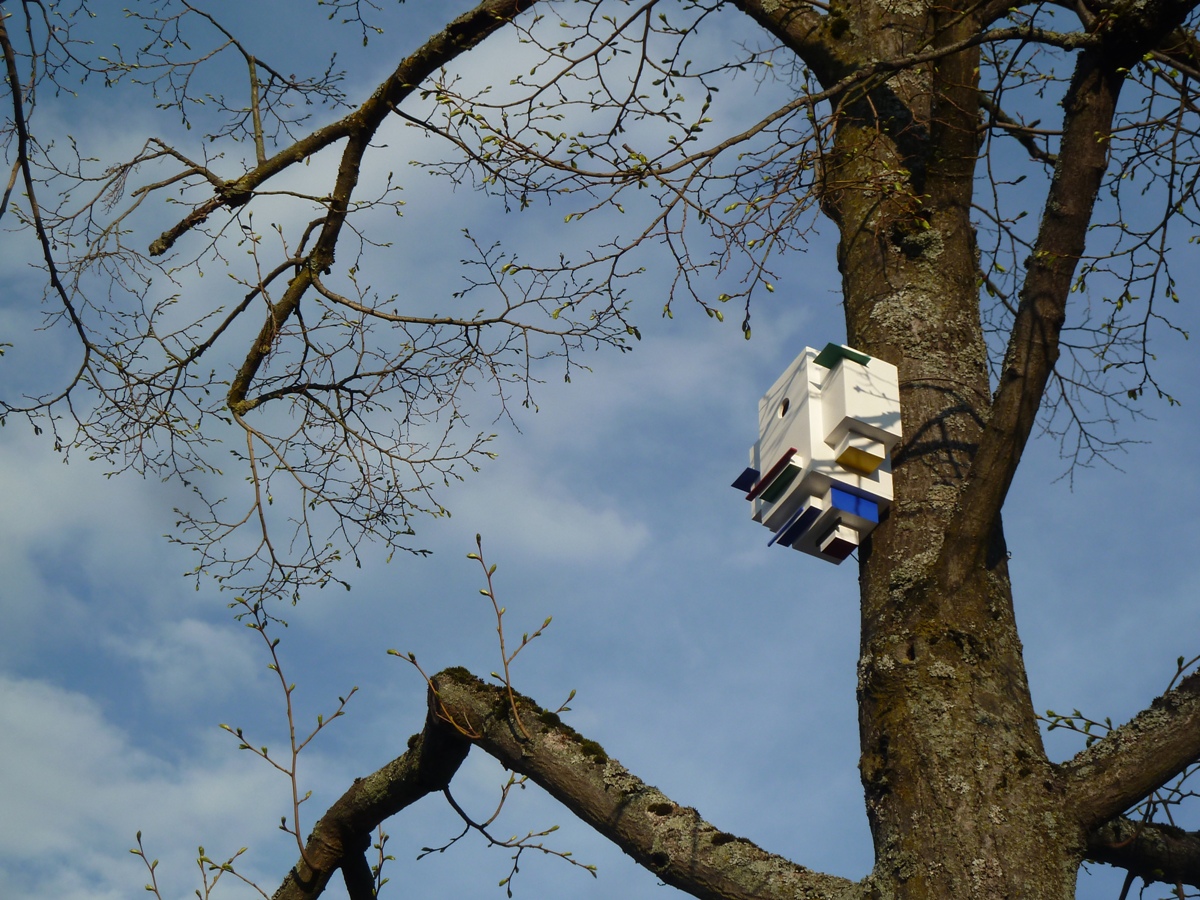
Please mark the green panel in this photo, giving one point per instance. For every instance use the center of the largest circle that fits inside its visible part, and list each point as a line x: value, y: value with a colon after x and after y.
x: 780, y: 484
x: 834, y: 353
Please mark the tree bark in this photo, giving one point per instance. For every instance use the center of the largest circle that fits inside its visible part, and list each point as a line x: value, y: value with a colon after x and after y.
x: 672, y: 841
x: 961, y: 797
x: 343, y: 834
x: 1153, y: 852
x: 1129, y: 762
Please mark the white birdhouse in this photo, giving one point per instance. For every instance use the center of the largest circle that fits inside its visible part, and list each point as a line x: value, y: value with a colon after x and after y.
x: 820, y: 473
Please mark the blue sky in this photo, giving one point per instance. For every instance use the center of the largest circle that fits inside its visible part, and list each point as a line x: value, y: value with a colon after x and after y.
x: 716, y: 668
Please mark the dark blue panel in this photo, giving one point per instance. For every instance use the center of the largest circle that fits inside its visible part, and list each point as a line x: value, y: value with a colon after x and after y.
x: 801, y: 520
x: 746, y: 480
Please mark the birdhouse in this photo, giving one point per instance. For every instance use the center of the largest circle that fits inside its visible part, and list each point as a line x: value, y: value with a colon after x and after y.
x: 820, y: 474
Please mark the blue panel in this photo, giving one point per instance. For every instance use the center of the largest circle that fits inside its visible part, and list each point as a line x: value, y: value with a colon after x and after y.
x: 856, y: 491
x: 852, y: 503
x: 800, y: 521
x: 746, y: 480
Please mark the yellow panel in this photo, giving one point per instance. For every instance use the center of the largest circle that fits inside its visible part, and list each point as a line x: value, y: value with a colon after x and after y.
x: 860, y: 460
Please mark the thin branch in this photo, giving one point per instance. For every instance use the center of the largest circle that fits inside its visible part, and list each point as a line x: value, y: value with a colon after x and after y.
x: 35, y: 212
x: 465, y: 32
x: 1018, y: 130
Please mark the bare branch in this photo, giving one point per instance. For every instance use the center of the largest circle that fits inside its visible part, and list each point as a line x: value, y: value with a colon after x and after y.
x: 1033, y: 346
x: 1017, y: 129
x: 1152, y: 851
x: 465, y: 32
x: 672, y: 841
x: 1124, y: 766
x: 342, y: 836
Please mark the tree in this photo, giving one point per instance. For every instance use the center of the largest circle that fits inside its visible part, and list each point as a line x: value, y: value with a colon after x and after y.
x: 901, y: 130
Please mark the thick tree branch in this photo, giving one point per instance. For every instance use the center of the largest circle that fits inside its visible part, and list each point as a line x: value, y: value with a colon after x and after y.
x: 672, y: 841
x: 356, y: 873
x: 1150, y: 850
x: 342, y: 835
x: 1033, y: 346
x: 802, y: 29
x: 1145, y: 753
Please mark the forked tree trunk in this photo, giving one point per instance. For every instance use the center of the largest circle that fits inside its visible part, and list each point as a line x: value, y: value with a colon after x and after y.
x: 961, y: 798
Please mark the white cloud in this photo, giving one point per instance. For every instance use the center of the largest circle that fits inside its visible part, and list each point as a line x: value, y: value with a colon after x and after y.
x: 77, y: 789
x: 519, y: 512
x: 66, y: 531
x: 183, y: 662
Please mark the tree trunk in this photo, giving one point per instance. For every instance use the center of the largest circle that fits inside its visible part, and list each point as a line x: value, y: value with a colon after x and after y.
x: 961, y: 798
